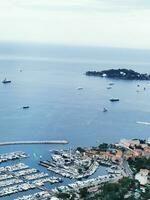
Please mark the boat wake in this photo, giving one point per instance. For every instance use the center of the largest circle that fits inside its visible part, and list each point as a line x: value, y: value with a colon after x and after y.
x: 144, y: 123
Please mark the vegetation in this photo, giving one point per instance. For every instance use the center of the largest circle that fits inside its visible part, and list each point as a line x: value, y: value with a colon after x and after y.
x: 83, y: 192
x: 139, y: 163
x: 63, y: 195
x: 80, y: 171
x: 103, y: 147
x: 80, y: 149
x: 116, y: 191
x: 146, y: 194
x: 125, y: 189
x: 142, y: 141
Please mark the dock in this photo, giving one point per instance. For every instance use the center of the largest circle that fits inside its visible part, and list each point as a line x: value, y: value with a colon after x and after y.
x: 34, y: 142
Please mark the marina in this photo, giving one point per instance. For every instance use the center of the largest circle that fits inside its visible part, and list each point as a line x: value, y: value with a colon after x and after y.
x: 20, y: 177
x: 78, y: 164
x: 11, y: 168
x: 12, y: 156
x: 71, y: 164
x: 73, y: 188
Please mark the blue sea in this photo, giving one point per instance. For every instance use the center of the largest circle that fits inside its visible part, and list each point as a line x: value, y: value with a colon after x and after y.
x: 48, y: 82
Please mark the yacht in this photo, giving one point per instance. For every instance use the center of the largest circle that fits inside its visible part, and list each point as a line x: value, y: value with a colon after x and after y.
x: 6, y: 81
x: 26, y: 107
x: 114, y: 99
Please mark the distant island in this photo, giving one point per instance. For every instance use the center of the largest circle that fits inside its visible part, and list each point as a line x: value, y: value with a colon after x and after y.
x: 125, y: 74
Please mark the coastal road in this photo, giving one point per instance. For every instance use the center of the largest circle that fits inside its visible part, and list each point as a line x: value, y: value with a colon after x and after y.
x: 127, y: 168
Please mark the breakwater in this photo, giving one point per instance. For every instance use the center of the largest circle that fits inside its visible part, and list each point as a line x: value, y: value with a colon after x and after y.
x: 34, y: 142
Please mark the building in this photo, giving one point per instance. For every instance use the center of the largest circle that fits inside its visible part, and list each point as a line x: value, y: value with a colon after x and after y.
x: 142, y: 176
x: 93, y: 189
x: 128, y: 143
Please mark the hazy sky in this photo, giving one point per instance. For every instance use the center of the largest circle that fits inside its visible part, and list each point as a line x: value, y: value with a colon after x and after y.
x: 115, y: 23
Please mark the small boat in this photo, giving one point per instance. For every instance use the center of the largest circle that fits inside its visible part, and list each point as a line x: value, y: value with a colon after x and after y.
x: 108, y: 88
x: 114, y: 99
x: 26, y: 107
x: 80, y: 88
x: 6, y: 81
x: 111, y: 84
x: 105, y: 110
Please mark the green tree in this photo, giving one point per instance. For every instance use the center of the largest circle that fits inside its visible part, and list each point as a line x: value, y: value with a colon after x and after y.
x: 63, y: 195
x: 83, y: 192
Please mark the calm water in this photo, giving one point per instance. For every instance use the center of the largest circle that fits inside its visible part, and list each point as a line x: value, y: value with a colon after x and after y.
x: 58, y: 110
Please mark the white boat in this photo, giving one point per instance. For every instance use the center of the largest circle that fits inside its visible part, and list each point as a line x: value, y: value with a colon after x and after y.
x: 6, y: 81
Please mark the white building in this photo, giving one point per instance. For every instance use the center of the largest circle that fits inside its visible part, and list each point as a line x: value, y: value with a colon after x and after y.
x: 142, y: 176
x: 127, y: 143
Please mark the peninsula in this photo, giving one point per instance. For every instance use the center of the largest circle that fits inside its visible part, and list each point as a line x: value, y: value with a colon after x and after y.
x: 125, y: 74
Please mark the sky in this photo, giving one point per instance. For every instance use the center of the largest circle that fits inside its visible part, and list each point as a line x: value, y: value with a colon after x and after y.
x: 105, y: 23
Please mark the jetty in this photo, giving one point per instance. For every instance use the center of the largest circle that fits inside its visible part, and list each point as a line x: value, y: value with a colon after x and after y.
x: 34, y: 142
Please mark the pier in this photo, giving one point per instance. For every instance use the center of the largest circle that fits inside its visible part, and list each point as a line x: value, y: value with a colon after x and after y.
x: 34, y: 142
